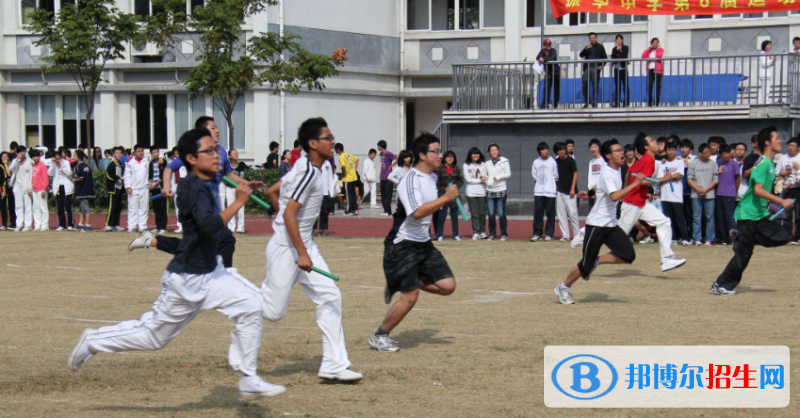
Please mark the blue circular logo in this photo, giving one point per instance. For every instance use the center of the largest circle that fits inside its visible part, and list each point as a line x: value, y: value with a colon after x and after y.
x: 585, y: 368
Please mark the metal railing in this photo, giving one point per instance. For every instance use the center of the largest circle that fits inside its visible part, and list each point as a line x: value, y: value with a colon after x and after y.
x: 635, y: 82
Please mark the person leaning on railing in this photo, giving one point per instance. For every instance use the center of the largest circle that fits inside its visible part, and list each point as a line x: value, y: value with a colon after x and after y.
x: 591, y: 72
x: 620, y: 71
x: 552, y: 73
x: 766, y: 67
x: 655, y: 71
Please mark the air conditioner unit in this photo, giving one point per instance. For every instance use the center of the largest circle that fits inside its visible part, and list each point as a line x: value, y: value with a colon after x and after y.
x: 145, y: 49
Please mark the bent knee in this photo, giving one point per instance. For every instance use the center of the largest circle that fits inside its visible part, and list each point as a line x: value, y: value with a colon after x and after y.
x: 448, y: 288
x: 410, y: 297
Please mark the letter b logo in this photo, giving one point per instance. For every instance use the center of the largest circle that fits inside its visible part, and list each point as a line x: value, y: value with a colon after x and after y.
x: 578, y: 377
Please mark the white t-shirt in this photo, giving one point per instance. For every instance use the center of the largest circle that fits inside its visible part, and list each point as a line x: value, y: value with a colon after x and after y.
x: 674, y: 194
x: 545, y: 174
x: 788, y: 162
x: 414, y: 190
x: 594, y: 171
x: 659, y: 169
x: 472, y: 175
x: 604, y: 211
x: 303, y: 184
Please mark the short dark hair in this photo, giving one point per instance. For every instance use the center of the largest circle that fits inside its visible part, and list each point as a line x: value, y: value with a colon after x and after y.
x: 402, y: 157
x: 661, y: 139
x: 283, y: 156
x: 754, y: 140
x: 188, y: 144
x: 296, y: 143
x: 154, y: 148
x: 541, y: 147
x: 569, y: 142
x: 34, y: 153
x: 13, y: 145
x: 591, y: 33
x: 339, y: 147
x: 724, y: 148
x: 137, y: 146
x: 127, y: 151
x: 558, y: 146
x: 382, y: 144
x: 372, y: 151
x: 595, y: 141
x: 310, y: 130
x: 450, y: 153
x: 795, y: 141
x: 628, y: 147
x: 21, y: 148
x: 80, y: 154
x: 619, y: 36
x: 472, y: 151
x: 717, y: 140
x: 421, y: 145
x: 674, y: 138
x: 605, y: 148
x: 49, y: 154
x: 742, y: 144
x: 765, y: 43
x: 640, y: 143
x: 765, y: 135
x: 654, y: 40
x: 671, y: 145
x: 796, y: 38
x: 702, y: 147
x: 202, y: 122
x: 273, y: 145
x: 489, y: 148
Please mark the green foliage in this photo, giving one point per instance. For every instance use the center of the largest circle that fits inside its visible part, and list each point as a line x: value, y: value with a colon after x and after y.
x: 269, y: 177
x: 80, y: 40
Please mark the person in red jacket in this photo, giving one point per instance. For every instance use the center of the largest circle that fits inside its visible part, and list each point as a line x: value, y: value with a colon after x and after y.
x: 296, y: 153
x: 655, y: 71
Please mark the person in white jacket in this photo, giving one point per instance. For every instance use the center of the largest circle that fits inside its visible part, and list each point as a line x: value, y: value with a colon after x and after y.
x: 545, y: 173
x: 21, y: 170
x: 369, y: 179
x: 474, y: 173
x: 64, y: 189
x: 137, y: 178
x: 766, y: 68
x: 498, y: 170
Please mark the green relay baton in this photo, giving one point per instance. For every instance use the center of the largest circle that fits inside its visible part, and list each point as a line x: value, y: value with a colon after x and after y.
x: 323, y: 272
x: 461, y: 207
x: 253, y: 197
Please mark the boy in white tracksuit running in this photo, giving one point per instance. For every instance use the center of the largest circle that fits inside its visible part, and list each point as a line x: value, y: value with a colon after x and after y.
x: 137, y: 179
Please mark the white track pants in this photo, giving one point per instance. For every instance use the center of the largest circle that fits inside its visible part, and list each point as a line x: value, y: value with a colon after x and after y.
x: 175, y: 204
x: 369, y: 189
x: 138, y: 209
x: 41, y: 214
x: 282, y: 274
x: 23, y: 205
x: 230, y: 196
x: 182, y: 297
x: 567, y: 212
x: 630, y: 214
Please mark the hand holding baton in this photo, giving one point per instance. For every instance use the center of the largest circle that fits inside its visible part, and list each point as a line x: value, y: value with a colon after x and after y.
x: 772, y: 218
x: 461, y: 207
x: 158, y: 196
x: 253, y: 197
x: 323, y: 272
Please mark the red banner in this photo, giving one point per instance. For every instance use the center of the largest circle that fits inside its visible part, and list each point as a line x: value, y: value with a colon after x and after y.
x: 672, y: 7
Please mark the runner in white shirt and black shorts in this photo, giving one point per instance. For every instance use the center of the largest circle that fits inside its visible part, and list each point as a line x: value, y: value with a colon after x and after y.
x: 601, y: 224
x: 410, y: 261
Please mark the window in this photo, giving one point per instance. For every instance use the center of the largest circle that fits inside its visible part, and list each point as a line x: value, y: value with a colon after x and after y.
x: 759, y: 15
x: 40, y: 121
x: 454, y: 14
x: 143, y: 8
x: 628, y: 19
x: 238, y: 123
x: 418, y: 15
x: 193, y: 4
x: 151, y: 120
x: 187, y: 111
x: 443, y: 14
x: 74, y: 123
x: 29, y: 6
x: 494, y: 13
x: 575, y: 19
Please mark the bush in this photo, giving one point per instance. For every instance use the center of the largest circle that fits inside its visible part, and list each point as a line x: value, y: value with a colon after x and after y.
x: 269, y: 177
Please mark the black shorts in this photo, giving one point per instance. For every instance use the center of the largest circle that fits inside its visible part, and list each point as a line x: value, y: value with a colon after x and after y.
x: 407, y: 263
x: 612, y: 237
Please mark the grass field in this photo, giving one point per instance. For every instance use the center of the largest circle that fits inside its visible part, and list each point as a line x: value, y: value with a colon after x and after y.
x: 477, y: 353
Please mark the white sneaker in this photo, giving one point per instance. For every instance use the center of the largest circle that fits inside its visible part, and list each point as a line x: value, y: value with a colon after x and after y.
x: 685, y: 243
x: 383, y: 343
x: 671, y: 263
x: 564, y: 295
x: 440, y: 239
x: 564, y: 239
x: 59, y: 229
x: 374, y: 207
x: 69, y: 228
x: 483, y: 235
x: 108, y: 229
x: 17, y: 229
x: 536, y: 238
x: 344, y: 376
x: 646, y: 240
x: 27, y: 229
x: 476, y: 237
x: 256, y: 386
x: 721, y: 291
x: 140, y: 242
x: 80, y: 354
x: 578, y: 240
x: 548, y: 238
x: 120, y: 229
x: 179, y: 231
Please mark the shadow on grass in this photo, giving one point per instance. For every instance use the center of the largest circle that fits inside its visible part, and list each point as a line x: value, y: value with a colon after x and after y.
x: 746, y: 289
x: 634, y: 273
x: 219, y: 398
x: 413, y: 338
x: 600, y: 298
x: 294, y: 367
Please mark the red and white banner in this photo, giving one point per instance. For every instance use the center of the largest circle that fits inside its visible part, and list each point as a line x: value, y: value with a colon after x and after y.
x: 672, y: 7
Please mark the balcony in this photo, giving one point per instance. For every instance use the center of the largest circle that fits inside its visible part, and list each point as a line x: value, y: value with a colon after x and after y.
x: 690, y: 88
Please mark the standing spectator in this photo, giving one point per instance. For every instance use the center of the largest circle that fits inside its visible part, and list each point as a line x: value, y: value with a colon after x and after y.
x: 388, y: 161
x: 714, y: 143
x: 108, y: 157
x: 729, y: 179
x: 620, y: 72
x: 175, y: 178
x: 156, y: 178
x: 595, y: 165
x: 655, y: 71
x: 94, y: 160
x: 566, y: 196
x: 671, y: 177
x: 6, y: 207
x: 498, y: 169
x: 39, y: 184
x: 329, y: 184
x: 20, y: 169
x: 788, y: 168
x: 448, y: 173
x: 236, y: 224
x: 370, y: 186
x: 84, y: 191
x: 273, y: 157
x: 349, y: 164
x: 766, y: 68
x: 552, y: 74
x: 591, y: 71
x: 796, y: 45
x: 114, y: 185
x: 13, y: 150
x: 404, y: 164
x: 126, y: 155
x: 545, y: 173
x: 136, y: 178
x: 297, y: 152
x: 570, y: 144
x: 286, y: 164
x: 475, y: 176
x: 703, y: 178
x: 687, y: 147
x: 64, y: 189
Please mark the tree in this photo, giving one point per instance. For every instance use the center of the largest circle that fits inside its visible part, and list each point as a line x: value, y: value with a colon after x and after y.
x: 81, y: 39
x: 229, y: 67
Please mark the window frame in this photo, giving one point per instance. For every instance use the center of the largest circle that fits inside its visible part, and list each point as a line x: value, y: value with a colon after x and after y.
x: 39, y: 118
x: 456, y: 19
x: 732, y: 17
x: 57, y: 4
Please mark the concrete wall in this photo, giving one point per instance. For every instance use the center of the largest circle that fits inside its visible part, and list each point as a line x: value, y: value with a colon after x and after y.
x: 369, y: 17
x: 518, y: 141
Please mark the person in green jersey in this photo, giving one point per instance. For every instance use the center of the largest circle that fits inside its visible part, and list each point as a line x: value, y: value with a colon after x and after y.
x: 752, y: 216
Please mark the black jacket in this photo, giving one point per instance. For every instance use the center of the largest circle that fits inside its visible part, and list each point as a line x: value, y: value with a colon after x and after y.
x: 161, y: 167
x: 549, y: 56
x: 621, y: 53
x: 202, y: 225
x: 114, y: 173
x: 596, y: 52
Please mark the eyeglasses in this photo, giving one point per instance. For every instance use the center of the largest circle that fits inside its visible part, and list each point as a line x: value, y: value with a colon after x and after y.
x: 210, y: 152
x: 436, y: 151
x: 617, y: 150
x: 327, y: 138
